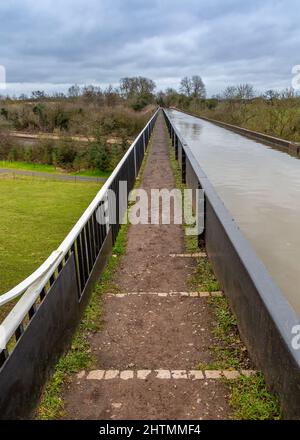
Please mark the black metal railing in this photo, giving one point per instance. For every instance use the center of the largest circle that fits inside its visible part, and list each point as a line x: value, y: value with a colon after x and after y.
x: 38, y: 328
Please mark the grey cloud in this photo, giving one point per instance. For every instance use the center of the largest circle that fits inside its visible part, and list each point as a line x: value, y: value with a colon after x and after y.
x: 87, y: 40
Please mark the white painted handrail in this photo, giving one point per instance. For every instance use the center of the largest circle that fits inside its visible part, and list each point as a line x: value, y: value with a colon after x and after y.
x: 23, y: 286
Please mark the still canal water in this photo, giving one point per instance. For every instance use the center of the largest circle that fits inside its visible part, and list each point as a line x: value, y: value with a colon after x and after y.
x: 260, y: 186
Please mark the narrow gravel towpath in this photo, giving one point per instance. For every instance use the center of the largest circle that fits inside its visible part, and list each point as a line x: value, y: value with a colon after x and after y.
x: 155, y: 332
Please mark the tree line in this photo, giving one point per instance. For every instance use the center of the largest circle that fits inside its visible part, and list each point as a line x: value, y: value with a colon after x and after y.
x: 139, y: 91
x: 122, y: 111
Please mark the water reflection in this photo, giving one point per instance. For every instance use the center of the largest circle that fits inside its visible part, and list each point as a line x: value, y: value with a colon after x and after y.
x: 260, y: 186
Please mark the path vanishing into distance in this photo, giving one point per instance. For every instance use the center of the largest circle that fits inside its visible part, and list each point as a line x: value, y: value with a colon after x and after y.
x: 155, y: 332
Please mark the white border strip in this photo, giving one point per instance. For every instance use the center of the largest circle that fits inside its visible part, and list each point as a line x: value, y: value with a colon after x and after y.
x: 216, y: 294
x: 165, y: 374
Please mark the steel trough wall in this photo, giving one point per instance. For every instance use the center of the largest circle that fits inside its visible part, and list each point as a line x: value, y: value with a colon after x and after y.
x: 292, y: 148
x: 265, y: 318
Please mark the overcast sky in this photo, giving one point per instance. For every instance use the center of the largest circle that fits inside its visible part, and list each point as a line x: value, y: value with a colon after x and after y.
x: 51, y: 44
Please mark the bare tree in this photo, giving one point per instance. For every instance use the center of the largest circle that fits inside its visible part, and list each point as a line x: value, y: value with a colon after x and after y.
x: 74, y: 91
x: 287, y: 93
x: 193, y: 87
x: 23, y: 97
x: 271, y: 94
x: 91, y: 92
x: 186, y: 86
x: 230, y: 92
x: 146, y: 85
x: 241, y: 91
x: 126, y: 86
x: 136, y: 86
x: 198, y: 87
x: 111, y: 95
x: 245, y: 91
x: 168, y: 98
x: 38, y: 94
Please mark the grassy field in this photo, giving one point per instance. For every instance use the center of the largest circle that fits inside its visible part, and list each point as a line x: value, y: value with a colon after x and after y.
x: 36, y: 214
x: 28, y: 166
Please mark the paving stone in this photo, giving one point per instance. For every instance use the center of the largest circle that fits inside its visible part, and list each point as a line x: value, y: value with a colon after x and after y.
x: 195, y: 255
x: 179, y: 374
x: 248, y: 373
x: 116, y: 405
x: 195, y: 375
x: 111, y: 374
x: 217, y: 294
x: 231, y: 374
x: 213, y: 374
x: 166, y: 294
x: 127, y: 374
x: 163, y: 374
x: 81, y: 375
x: 96, y: 375
x: 143, y: 374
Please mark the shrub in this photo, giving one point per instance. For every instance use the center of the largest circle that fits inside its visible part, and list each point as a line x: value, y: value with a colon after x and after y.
x: 100, y: 156
x: 65, y: 154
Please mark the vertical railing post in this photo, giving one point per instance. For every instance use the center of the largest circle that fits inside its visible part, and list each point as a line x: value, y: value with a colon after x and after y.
x: 176, y: 148
x: 3, y: 356
x: 144, y: 142
x: 183, y: 164
x: 106, y: 213
x: 135, y: 167
x: 201, y: 212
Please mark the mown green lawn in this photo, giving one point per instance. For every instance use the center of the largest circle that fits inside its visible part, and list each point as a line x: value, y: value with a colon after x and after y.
x: 35, y: 216
x: 29, y: 166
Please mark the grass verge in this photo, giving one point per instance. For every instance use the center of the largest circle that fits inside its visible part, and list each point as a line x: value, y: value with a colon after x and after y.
x: 249, y: 396
x: 44, y: 168
x: 227, y: 347
x: 250, y: 399
x: 42, y: 212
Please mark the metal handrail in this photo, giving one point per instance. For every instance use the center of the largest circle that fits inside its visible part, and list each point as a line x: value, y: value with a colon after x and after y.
x: 53, y: 261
